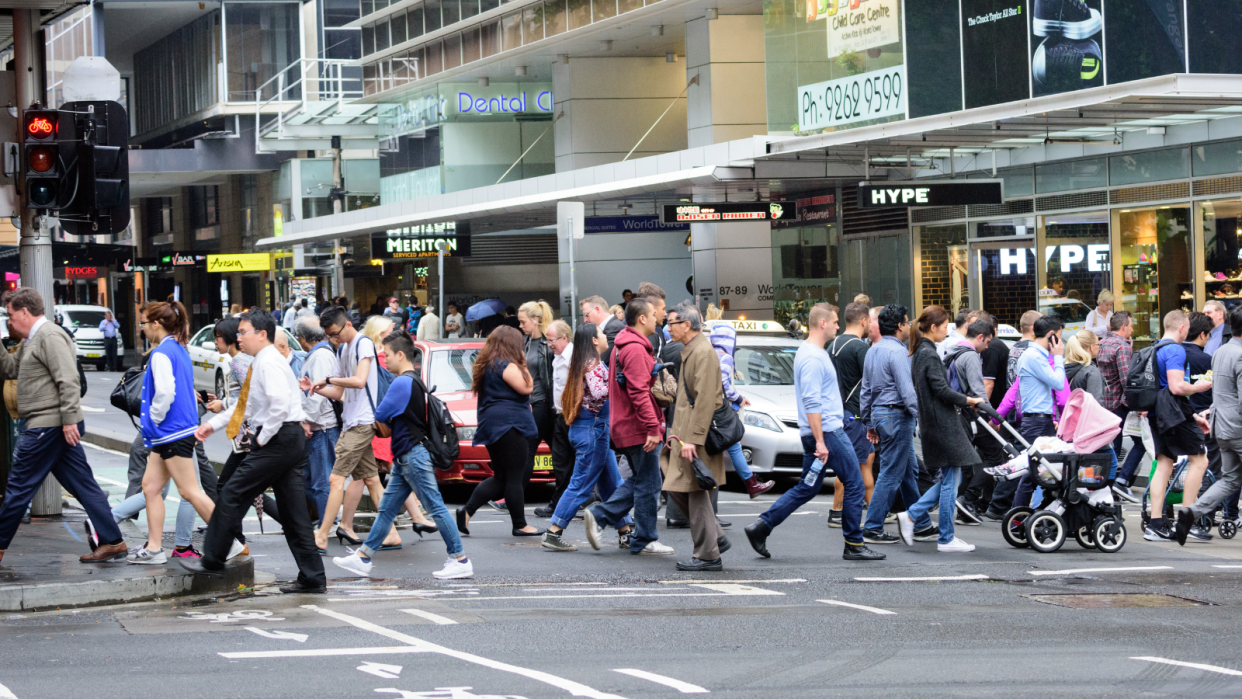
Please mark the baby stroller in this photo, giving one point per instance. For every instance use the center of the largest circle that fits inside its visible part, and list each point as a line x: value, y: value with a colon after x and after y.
x: 1175, y: 496
x: 1076, y: 493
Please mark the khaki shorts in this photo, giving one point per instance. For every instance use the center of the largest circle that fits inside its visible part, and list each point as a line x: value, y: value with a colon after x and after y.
x: 354, y: 456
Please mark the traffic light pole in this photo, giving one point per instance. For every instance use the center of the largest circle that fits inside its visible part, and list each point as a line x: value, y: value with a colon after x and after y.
x: 36, y: 241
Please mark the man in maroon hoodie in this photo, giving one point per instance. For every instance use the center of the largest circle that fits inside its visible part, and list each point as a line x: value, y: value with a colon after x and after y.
x: 637, y: 428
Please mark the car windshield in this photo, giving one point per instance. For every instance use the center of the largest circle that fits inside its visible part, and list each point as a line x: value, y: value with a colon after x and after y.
x: 1067, y: 312
x: 763, y: 366
x: 84, y: 319
x: 453, y: 369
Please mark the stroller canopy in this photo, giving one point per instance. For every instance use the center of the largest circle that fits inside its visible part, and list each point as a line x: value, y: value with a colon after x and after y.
x: 1086, y: 423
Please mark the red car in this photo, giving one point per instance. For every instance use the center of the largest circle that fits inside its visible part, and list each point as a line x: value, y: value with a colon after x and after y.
x: 447, y: 368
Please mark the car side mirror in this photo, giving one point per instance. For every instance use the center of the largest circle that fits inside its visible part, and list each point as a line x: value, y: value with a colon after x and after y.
x: 433, y: 389
x: 209, y: 345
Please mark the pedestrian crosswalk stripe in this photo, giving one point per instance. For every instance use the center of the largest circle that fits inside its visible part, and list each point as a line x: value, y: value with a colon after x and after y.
x: 934, y: 578
x: 1196, y: 666
x: 683, y: 687
x: 865, y: 608
x: 441, y: 620
x: 1070, y: 571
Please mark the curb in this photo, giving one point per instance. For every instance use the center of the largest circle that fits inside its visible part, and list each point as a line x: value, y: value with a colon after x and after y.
x: 93, y: 593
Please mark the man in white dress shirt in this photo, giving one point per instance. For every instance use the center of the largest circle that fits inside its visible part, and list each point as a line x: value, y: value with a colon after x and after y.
x: 271, y: 402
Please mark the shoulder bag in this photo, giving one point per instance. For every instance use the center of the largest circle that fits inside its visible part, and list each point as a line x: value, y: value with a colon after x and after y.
x: 726, y: 428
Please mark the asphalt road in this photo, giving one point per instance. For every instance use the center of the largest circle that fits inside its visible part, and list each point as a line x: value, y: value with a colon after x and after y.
x: 1152, y: 619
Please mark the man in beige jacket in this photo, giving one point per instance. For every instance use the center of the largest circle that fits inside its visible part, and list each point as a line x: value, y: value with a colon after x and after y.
x: 699, y: 383
x: 49, y: 400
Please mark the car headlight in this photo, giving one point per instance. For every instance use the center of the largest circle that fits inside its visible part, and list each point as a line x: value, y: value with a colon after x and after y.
x: 466, y: 434
x: 763, y: 420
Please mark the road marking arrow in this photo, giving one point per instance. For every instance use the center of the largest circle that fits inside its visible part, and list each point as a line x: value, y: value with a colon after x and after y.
x: 388, y: 672
x: 280, y: 635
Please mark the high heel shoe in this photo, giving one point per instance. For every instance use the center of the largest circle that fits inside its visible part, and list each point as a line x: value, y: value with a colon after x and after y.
x: 420, y: 528
x: 461, y: 523
x: 344, y: 538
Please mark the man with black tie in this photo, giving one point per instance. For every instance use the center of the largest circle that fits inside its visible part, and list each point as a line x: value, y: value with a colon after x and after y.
x: 270, y: 401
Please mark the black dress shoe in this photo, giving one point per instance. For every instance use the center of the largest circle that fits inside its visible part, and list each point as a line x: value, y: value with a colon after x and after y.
x: 861, y: 553
x: 723, y: 524
x: 677, y: 523
x: 695, y: 564
x: 758, y: 535
x: 297, y: 588
x: 723, y: 544
x: 544, y: 512
x: 195, y: 566
x: 537, y: 532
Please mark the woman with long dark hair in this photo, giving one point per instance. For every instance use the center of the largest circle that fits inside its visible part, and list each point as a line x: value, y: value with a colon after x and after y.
x: 946, y: 446
x: 503, y: 385
x: 585, y: 407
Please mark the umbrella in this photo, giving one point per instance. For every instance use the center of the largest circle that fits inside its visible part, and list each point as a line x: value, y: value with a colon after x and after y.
x: 484, y: 308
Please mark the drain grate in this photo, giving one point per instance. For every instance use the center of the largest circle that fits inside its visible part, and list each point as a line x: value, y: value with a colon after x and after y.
x: 1117, y: 601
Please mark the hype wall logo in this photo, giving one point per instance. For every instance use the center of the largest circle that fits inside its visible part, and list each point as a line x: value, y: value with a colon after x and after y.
x: 1067, y: 37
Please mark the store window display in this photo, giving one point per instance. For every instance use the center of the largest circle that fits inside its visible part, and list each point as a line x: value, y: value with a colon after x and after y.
x: 1223, y: 278
x: 1077, y: 266
x: 1156, y: 266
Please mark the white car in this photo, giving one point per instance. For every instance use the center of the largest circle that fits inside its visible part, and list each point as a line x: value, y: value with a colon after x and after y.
x: 83, y: 322
x: 1072, y: 312
x: 211, y: 367
x: 763, y: 372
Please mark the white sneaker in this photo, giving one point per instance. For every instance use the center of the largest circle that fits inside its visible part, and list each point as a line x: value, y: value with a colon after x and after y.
x: 905, y: 527
x: 655, y: 548
x: 235, y: 550
x: 594, y: 532
x: 354, y: 564
x: 955, y: 546
x: 455, y: 569
x: 146, y: 557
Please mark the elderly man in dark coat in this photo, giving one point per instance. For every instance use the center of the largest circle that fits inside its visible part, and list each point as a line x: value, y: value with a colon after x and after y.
x: 699, y: 394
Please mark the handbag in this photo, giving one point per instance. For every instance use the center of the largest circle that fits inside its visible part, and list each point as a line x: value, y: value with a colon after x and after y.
x: 127, y: 396
x: 702, y: 474
x: 726, y: 429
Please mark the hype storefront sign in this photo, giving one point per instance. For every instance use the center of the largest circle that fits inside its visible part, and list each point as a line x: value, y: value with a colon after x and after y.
x: 1093, y: 257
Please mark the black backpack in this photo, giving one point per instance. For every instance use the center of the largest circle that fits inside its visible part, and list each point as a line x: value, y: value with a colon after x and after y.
x: 441, y: 440
x: 1142, y: 383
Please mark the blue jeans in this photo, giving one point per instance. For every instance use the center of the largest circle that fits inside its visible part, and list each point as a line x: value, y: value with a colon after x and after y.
x: 594, y: 463
x: 843, y: 462
x: 137, y: 502
x: 945, y: 493
x: 640, y: 492
x: 321, y: 449
x: 899, y: 467
x: 740, y: 467
x: 412, y: 473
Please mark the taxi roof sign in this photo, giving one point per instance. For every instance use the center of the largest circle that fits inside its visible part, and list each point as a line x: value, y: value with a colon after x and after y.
x: 752, y: 326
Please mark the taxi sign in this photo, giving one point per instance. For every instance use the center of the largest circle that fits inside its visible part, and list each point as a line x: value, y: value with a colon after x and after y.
x: 752, y: 326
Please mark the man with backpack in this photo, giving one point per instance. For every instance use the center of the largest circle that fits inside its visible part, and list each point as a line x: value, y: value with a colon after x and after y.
x: 407, y: 409
x: 1175, y: 428
x: 964, y: 365
x: 323, y: 424
x: 357, y: 385
x: 848, y: 352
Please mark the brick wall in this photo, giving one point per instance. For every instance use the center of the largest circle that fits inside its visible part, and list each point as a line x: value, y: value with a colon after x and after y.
x: 1007, y: 296
x: 934, y: 242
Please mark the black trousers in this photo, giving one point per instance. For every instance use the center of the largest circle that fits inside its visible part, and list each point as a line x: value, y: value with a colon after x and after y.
x: 978, y: 488
x: 270, y: 507
x: 279, y: 465
x: 110, y: 353
x: 562, y: 458
x: 509, y: 465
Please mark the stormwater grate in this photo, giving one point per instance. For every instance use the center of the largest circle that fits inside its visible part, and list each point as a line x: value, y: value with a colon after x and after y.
x: 1117, y: 601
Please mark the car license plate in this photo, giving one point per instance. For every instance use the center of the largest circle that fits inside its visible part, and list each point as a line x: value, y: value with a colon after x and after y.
x: 543, y: 462
x: 93, y: 355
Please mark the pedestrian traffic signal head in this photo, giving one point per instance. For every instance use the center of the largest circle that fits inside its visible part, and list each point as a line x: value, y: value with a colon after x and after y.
x: 44, y: 169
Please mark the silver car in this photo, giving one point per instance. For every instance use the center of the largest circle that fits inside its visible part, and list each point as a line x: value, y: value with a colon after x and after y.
x: 763, y: 372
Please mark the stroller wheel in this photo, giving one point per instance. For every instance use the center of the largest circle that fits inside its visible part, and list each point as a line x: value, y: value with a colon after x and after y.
x: 1109, y: 534
x: 1045, y: 531
x: 1227, y: 529
x: 1013, y: 526
x: 1085, y: 536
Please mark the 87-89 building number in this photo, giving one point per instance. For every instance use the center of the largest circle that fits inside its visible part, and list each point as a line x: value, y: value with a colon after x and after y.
x: 733, y: 291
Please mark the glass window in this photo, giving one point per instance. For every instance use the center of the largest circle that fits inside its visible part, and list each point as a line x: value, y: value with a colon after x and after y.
x: 366, y: 7
x: 532, y: 17
x: 453, y: 370
x: 470, y: 45
x: 1220, y: 251
x: 940, y: 271
x: 1218, y: 158
x: 450, y: 12
x: 1156, y: 264
x: 511, y: 29
x: 396, y: 27
x: 555, y: 21
x: 381, y: 36
x: 1153, y: 166
x: 489, y: 38
x: 452, y: 51
x: 629, y: 5
x: 1077, y: 264
x: 369, y: 83
x: 579, y: 13
x: 368, y: 40
x: 1018, y: 183
x: 431, y: 15
x: 1213, y: 27
x: 1003, y: 229
x: 804, y: 270
x: 380, y: 4
x: 434, y: 58
x: 418, y: 68
x: 603, y: 9
x: 485, y: 5
x: 1138, y: 42
x: 469, y: 8
x: 1006, y: 278
x: 1070, y: 175
x: 414, y: 22
x: 763, y: 365
x: 262, y: 41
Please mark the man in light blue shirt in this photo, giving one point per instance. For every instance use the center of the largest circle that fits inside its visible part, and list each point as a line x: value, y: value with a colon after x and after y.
x: 108, y: 326
x: 1038, y: 380
x: 1216, y: 311
x: 825, y: 446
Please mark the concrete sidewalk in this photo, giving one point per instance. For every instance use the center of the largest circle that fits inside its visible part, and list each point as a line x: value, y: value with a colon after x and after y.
x: 41, y: 570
